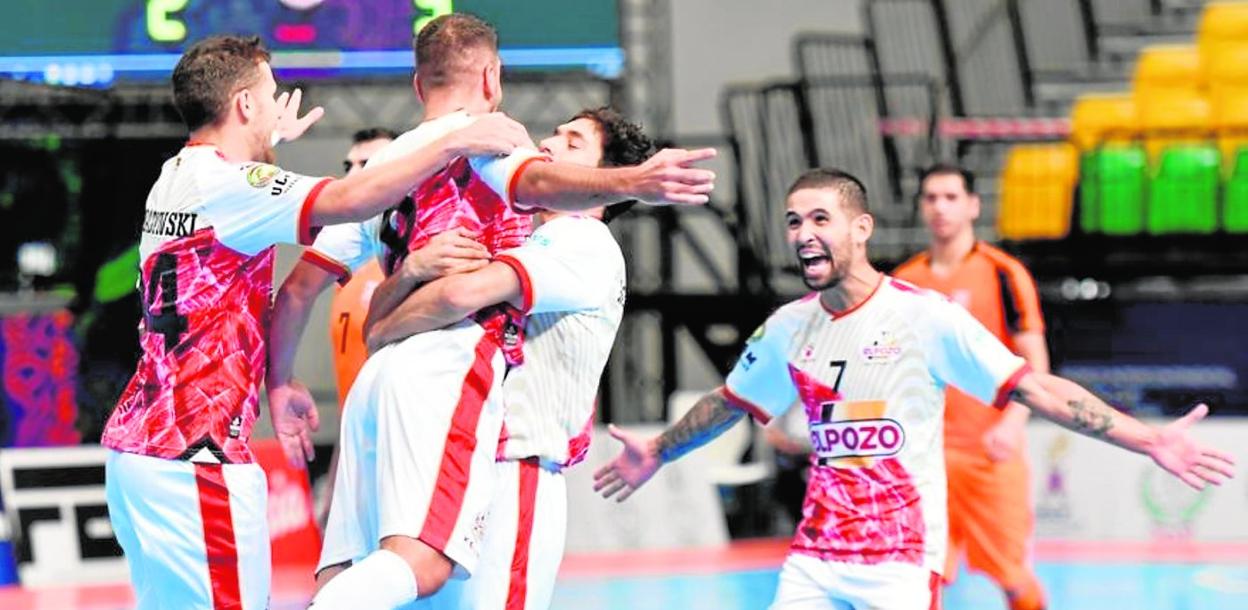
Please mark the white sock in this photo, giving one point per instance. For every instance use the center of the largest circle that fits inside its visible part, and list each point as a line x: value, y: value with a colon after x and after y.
x: 381, y: 580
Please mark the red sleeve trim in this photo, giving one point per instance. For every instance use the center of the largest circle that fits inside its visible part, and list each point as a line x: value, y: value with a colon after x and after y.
x: 1003, y: 393
x: 307, y: 233
x: 526, y: 283
x: 759, y: 414
x: 515, y: 179
x: 331, y: 266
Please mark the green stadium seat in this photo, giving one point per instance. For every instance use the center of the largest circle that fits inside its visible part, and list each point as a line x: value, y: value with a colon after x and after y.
x: 1183, y: 190
x: 1235, y: 210
x: 1111, y: 190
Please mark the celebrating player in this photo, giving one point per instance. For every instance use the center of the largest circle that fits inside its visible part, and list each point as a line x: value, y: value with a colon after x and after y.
x: 569, y: 278
x: 434, y: 395
x: 990, y: 516
x: 186, y: 501
x: 868, y: 358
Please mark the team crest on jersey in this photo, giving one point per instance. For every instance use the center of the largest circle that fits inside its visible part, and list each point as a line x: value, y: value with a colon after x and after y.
x: 883, y: 349
x: 261, y: 174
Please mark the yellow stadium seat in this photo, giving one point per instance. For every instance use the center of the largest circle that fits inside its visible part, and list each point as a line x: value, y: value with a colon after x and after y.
x: 1230, y: 119
x: 1226, y: 63
x: 1100, y: 118
x: 1037, y: 191
x: 1171, y: 117
x: 1221, y: 23
x: 1168, y: 67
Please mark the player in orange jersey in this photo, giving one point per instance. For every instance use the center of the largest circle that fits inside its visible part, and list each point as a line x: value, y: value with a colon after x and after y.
x: 990, y: 515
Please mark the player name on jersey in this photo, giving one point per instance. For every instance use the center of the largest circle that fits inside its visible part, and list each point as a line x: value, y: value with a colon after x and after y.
x: 170, y: 224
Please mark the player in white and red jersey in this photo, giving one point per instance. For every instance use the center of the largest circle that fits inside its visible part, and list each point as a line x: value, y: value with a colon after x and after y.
x: 405, y: 514
x: 868, y: 358
x: 569, y: 278
x: 186, y: 501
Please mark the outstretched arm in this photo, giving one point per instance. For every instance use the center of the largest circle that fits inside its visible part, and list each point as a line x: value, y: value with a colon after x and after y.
x: 1172, y: 447
x: 367, y: 193
x: 710, y: 417
x: 667, y: 178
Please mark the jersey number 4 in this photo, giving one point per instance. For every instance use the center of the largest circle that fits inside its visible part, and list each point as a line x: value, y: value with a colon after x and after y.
x: 168, y: 321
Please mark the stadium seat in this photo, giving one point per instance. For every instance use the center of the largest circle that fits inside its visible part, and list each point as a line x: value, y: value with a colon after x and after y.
x: 1098, y: 118
x: 1221, y: 24
x: 1112, y: 167
x: 1235, y: 201
x: 1112, y: 190
x: 1173, y: 117
x: 1183, y: 190
x: 1037, y: 191
x: 1167, y: 67
x: 1228, y: 95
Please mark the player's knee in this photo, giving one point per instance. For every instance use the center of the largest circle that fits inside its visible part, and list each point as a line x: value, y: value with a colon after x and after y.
x: 431, y: 568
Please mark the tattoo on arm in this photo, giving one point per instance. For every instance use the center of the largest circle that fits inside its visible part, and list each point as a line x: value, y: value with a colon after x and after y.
x: 1094, y: 419
x: 709, y: 418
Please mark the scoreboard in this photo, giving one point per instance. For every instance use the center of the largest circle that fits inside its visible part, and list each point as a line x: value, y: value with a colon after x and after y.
x: 96, y: 42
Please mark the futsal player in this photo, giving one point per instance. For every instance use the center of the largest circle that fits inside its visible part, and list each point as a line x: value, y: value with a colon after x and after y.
x: 409, y: 510
x: 569, y: 279
x: 990, y: 515
x: 867, y: 357
x: 186, y: 500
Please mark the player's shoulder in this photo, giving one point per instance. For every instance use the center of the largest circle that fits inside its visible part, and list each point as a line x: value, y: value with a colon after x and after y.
x: 911, y: 295
x: 1000, y: 259
x: 584, y: 234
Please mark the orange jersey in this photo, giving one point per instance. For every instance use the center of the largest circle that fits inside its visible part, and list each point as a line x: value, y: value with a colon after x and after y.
x: 1001, y: 294
x: 346, y: 325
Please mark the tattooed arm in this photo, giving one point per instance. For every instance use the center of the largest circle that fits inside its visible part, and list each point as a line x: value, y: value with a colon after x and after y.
x: 1172, y: 447
x: 711, y: 416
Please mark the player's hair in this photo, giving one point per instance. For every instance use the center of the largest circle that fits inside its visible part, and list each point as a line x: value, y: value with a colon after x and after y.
x: 444, y: 47
x: 209, y: 73
x: 373, y: 133
x: 853, y: 193
x: 623, y: 143
x: 945, y: 168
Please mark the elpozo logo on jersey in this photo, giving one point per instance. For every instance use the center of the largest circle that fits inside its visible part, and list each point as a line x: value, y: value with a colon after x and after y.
x: 861, y: 438
x: 884, y: 349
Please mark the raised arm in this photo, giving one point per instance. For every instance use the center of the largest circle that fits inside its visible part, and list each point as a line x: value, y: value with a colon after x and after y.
x: 667, y: 178
x: 367, y: 193
x: 1172, y: 447
x: 1005, y: 439
x: 710, y: 417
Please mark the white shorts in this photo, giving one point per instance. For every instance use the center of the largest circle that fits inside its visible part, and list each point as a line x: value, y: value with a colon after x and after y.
x: 524, y: 540
x: 809, y: 583
x: 419, y: 432
x: 196, y: 536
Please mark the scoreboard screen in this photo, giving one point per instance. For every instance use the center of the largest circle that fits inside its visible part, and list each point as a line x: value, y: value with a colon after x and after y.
x: 97, y: 42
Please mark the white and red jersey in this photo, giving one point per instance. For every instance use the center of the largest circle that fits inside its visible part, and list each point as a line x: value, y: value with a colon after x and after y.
x: 572, y: 275
x: 206, y: 282
x: 474, y: 194
x: 872, y: 380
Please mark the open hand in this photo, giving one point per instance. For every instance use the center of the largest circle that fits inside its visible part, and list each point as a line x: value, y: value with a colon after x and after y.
x: 453, y: 251
x: 1178, y: 453
x: 668, y: 178
x: 289, y: 124
x: 294, y: 420
x: 634, y: 466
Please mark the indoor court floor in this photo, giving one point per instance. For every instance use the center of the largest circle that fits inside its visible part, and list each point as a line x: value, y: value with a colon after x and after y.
x: 743, y: 577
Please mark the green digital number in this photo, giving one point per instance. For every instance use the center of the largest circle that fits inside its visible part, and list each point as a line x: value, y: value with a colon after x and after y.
x: 428, y: 10
x: 160, y: 26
